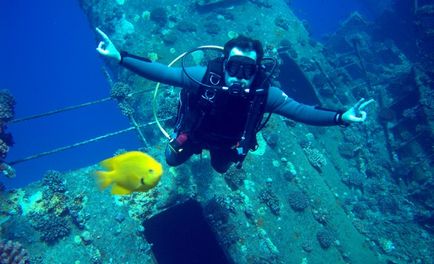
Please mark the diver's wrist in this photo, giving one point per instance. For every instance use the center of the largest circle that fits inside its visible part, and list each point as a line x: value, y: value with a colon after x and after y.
x: 339, y: 119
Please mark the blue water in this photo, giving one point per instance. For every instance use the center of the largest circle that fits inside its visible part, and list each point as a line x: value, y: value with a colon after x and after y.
x: 49, y: 62
x: 325, y: 16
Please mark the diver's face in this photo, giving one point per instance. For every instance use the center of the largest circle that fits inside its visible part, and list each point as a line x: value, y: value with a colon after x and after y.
x: 240, y: 67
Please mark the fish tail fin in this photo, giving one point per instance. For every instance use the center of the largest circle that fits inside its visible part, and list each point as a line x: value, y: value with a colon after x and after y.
x: 104, y: 179
x: 108, y: 163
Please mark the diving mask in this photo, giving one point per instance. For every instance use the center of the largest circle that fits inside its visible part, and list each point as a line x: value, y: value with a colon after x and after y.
x: 241, y: 67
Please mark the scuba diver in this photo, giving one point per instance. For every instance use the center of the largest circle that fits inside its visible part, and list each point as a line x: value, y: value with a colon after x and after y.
x: 222, y: 105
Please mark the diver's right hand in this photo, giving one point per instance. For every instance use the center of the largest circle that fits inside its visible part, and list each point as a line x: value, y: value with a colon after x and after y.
x: 107, y: 48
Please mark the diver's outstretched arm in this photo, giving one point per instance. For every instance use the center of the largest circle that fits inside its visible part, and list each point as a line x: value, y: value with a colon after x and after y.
x: 153, y: 71
x: 278, y: 102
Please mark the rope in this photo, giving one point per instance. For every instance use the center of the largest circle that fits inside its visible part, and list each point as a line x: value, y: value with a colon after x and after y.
x: 136, y: 126
x: 69, y: 108
x: 42, y: 154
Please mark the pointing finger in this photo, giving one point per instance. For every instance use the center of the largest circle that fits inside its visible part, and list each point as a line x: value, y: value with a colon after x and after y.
x: 366, y: 103
x: 103, y: 35
x: 357, y: 105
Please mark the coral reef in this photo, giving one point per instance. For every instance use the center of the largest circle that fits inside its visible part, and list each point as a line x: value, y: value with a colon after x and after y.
x: 159, y: 16
x: 270, y: 199
x: 13, y: 253
x: 52, y: 228
x: 315, y: 157
x: 7, y: 106
x: 4, y: 149
x: 120, y: 91
x: 325, y: 238
x: 235, y: 178
x: 7, y: 113
x: 354, y: 179
x: 298, y: 200
x: 54, y: 182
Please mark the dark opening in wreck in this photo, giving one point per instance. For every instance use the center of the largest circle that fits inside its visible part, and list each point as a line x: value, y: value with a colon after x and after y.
x: 181, y: 234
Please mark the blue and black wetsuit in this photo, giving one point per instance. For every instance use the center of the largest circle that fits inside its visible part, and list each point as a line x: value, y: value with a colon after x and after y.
x: 217, y: 130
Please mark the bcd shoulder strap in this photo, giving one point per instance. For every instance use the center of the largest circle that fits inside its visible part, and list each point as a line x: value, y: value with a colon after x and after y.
x: 254, y: 118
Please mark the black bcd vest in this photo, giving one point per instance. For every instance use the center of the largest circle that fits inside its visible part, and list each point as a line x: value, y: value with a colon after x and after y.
x: 217, y: 118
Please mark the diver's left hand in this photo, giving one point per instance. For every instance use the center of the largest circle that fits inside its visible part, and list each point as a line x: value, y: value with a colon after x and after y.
x: 106, y: 47
x: 356, y: 114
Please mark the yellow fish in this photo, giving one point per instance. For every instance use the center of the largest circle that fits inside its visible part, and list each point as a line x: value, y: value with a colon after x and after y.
x: 129, y: 172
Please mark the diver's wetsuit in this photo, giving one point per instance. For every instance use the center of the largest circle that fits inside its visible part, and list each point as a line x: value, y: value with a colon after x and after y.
x: 221, y: 158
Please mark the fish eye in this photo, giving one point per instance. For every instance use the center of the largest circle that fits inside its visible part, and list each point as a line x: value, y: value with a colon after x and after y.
x: 151, y: 171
